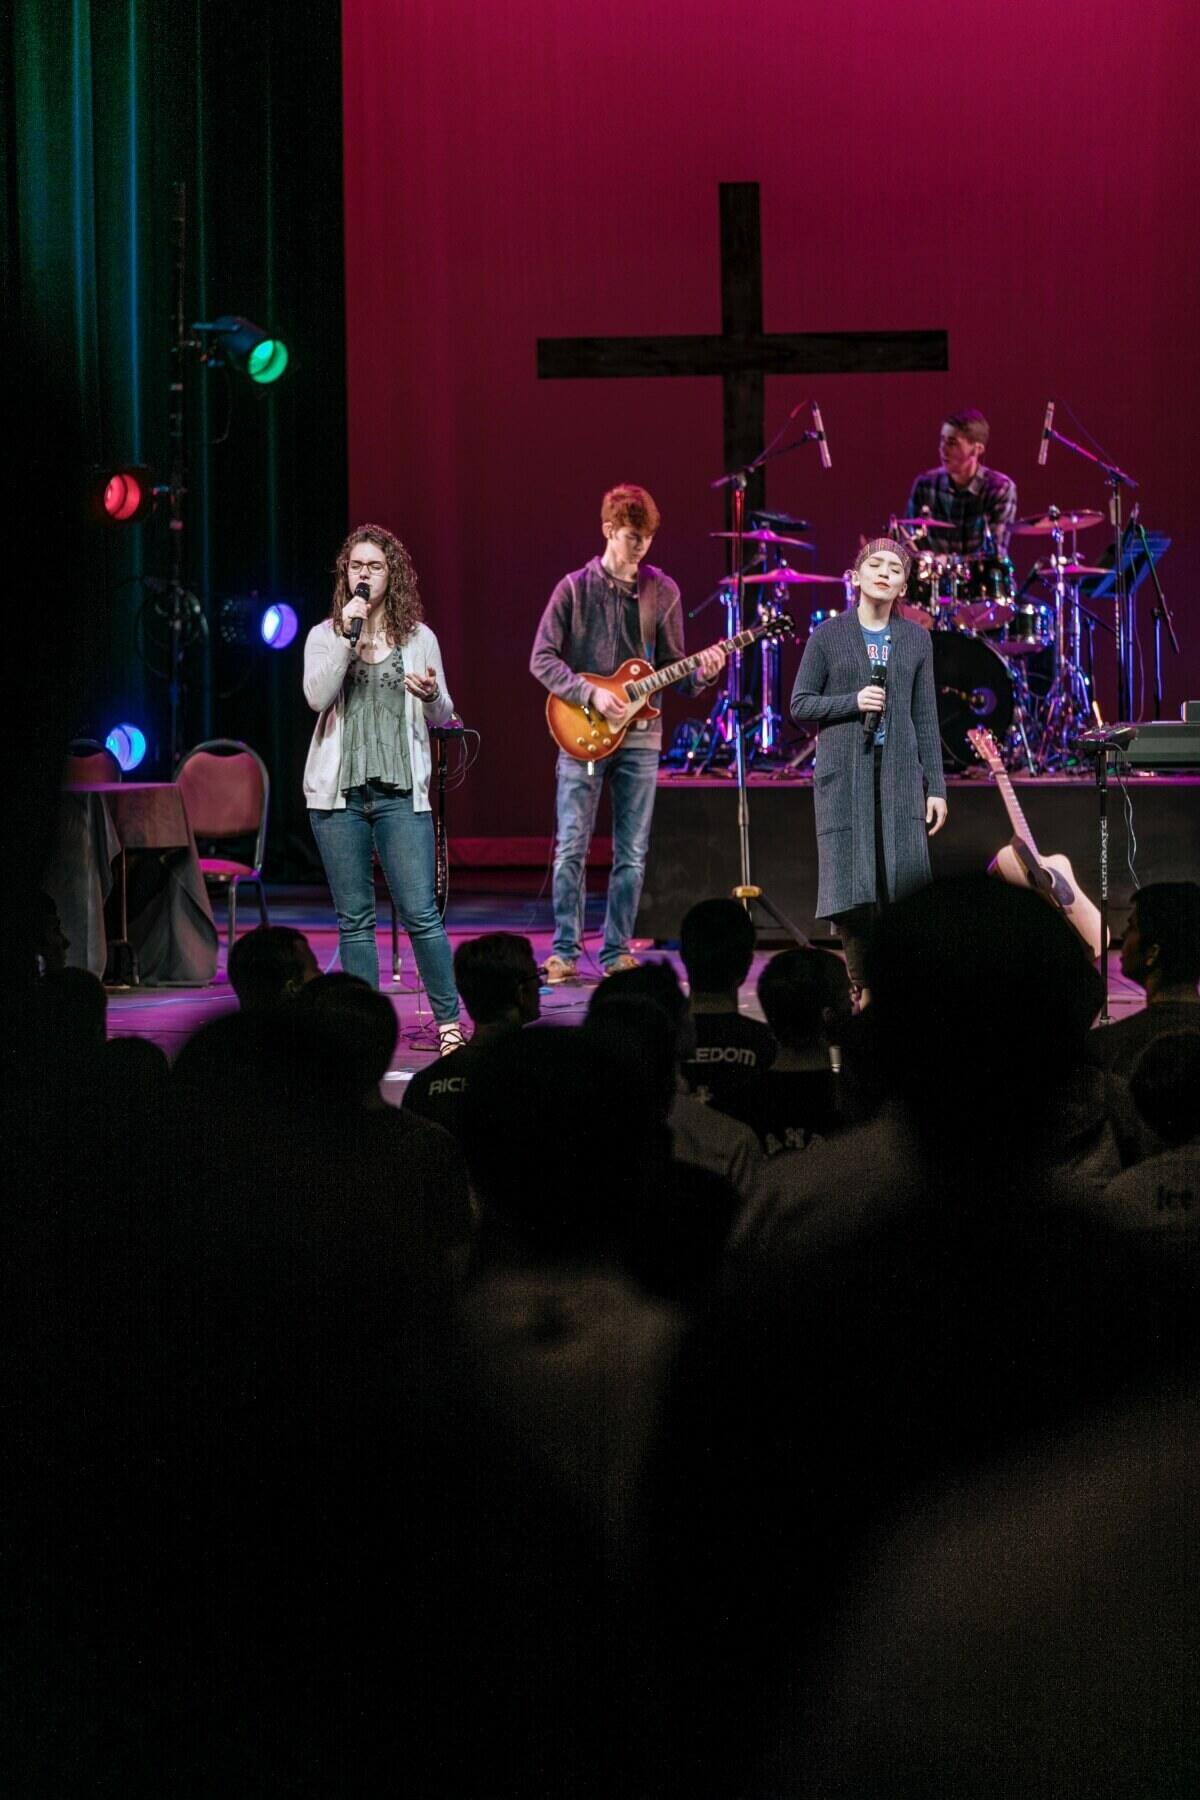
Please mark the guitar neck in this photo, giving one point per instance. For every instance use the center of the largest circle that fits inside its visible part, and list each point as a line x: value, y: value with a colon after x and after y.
x: 661, y: 678
x: 1012, y: 806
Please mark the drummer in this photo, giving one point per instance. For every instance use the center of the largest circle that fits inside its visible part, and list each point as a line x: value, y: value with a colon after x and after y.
x: 980, y: 503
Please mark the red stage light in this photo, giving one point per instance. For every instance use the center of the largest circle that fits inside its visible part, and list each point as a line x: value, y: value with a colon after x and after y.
x: 123, y: 495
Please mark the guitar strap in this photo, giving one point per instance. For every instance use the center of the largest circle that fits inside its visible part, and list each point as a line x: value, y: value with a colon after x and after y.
x: 647, y: 617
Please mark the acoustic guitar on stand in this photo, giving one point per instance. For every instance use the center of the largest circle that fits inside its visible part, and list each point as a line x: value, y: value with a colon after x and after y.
x: 588, y: 736
x: 1022, y: 863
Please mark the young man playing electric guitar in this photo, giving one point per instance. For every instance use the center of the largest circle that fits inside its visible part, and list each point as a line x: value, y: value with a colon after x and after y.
x: 615, y: 607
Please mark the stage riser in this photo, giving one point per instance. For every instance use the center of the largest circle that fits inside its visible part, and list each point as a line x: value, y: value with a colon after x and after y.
x: 694, y: 844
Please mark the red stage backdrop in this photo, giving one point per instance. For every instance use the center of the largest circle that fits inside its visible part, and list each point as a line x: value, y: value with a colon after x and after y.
x: 1020, y: 175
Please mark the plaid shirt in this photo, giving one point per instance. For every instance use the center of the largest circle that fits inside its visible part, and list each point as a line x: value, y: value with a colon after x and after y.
x: 990, y: 497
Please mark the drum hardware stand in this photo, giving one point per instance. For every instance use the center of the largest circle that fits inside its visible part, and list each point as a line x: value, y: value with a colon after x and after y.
x: 804, y: 754
x: 767, y: 723
x: 1022, y: 716
x: 1068, y: 703
x: 717, y: 732
x: 1124, y: 599
x: 747, y: 891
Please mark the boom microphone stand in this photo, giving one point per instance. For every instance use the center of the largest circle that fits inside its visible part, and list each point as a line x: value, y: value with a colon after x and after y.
x: 747, y: 890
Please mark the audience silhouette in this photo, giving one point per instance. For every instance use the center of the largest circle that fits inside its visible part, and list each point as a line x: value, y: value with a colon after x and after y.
x: 676, y: 1442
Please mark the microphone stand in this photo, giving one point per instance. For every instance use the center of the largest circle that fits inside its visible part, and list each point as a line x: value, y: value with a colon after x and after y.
x: 747, y: 890
x: 1160, y: 615
x: 1102, y: 793
x: 1123, y: 602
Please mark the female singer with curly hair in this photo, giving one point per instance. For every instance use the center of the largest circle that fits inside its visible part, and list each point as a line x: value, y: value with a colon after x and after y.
x: 373, y: 672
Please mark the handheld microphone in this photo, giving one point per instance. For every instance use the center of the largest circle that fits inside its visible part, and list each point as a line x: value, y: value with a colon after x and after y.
x: 361, y: 592
x: 872, y: 721
x: 822, y: 440
x: 1047, y: 422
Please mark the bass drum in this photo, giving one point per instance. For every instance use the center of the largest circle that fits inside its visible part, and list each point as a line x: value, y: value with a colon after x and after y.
x: 974, y: 686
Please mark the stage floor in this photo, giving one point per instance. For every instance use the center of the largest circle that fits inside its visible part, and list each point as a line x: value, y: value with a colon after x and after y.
x: 169, y: 1016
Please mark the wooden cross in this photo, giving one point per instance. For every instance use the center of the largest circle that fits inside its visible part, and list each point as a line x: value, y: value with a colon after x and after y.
x: 743, y: 354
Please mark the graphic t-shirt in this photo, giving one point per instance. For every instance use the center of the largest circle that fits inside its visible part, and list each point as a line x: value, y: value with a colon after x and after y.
x: 879, y: 647
x: 732, y: 1053
x: 439, y: 1090
x: 794, y: 1108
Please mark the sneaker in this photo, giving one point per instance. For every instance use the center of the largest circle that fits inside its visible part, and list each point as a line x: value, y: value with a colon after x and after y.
x: 450, y: 1038
x: 557, y: 969
x: 623, y: 962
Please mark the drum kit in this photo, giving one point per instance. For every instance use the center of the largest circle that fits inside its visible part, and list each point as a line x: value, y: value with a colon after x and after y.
x: 1003, y: 658
x: 987, y: 631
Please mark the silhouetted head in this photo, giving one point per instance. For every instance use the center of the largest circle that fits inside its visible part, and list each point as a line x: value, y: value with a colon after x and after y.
x: 50, y: 940
x: 804, y: 994
x: 982, y: 997
x: 1165, y: 1084
x: 275, y: 1065
x: 270, y: 965
x: 70, y: 1013
x: 716, y: 942
x: 558, y: 1131
x: 361, y: 1023
x: 497, y: 978
x: 640, y: 1031
x: 1162, y: 938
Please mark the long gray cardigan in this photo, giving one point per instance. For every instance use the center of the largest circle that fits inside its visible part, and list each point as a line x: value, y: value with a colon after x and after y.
x: 834, y: 668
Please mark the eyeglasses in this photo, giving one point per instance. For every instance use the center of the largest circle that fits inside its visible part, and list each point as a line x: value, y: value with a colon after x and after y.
x: 372, y: 568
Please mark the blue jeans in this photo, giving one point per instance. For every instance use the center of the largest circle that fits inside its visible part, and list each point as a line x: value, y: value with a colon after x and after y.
x: 631, y: 774
x: 378, y: 819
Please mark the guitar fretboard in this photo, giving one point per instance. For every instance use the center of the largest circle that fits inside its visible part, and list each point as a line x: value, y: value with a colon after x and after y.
x: 1008, y: 793
x: 661, y: 678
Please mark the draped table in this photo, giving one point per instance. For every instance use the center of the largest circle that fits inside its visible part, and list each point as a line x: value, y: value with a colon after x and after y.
x: 135, y: 835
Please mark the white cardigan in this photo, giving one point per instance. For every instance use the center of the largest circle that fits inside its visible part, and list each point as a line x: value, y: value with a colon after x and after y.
x: 326, y: 659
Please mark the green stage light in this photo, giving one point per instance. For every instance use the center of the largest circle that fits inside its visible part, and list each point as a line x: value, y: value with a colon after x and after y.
x: 267, y: 361
x: 246, y: 347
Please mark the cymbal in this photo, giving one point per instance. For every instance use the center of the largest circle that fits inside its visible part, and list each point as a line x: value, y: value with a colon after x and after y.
x: 763, y: 537
x: 1074, y: 572
x: 787, y: 520
x: 927, y: 524
x: 789, y: 576
x: 1041, y: 524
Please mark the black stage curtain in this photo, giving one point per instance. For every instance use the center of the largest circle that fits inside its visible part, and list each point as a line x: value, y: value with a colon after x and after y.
x: 108, y: 104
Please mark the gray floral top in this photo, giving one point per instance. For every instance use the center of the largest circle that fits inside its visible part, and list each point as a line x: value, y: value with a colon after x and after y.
x: 374, y: 731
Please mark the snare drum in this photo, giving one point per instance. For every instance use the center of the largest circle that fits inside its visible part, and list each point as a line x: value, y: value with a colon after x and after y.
x: 974, y: 686
x: 1028, y: 629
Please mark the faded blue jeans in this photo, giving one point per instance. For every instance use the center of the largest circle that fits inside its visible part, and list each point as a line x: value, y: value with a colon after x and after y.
x: 381, y: 820
x: 631, y: 774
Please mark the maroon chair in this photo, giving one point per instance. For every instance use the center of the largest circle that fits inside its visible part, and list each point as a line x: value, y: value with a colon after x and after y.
x: 227, y: 790
x: 89, y: 763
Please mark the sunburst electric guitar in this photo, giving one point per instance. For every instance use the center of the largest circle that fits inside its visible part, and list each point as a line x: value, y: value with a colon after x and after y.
x: 1022, y: 863
x: 587, y: 735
